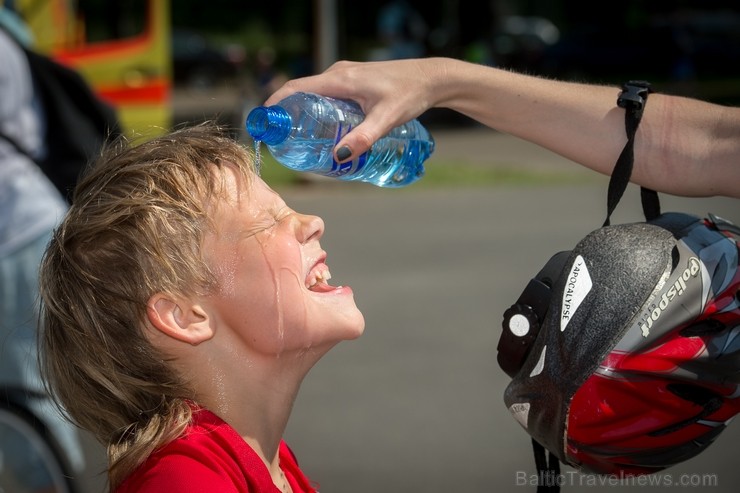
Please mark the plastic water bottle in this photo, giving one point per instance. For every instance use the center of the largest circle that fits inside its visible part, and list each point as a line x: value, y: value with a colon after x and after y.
x: 302, y: 130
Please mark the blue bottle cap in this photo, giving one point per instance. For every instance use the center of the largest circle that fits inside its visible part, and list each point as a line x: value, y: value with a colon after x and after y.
x: 269, y: 124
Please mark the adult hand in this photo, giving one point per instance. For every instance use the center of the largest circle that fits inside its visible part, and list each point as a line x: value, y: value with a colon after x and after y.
x: 390, y: 93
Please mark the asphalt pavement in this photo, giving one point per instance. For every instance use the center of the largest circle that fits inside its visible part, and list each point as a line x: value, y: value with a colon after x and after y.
x: 416, y: 403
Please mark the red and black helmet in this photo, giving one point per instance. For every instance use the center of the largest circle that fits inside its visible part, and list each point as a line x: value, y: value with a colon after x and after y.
x: 625, y: 351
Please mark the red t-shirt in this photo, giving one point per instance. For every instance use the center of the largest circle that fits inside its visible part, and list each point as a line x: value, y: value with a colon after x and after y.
x: 211, y: 456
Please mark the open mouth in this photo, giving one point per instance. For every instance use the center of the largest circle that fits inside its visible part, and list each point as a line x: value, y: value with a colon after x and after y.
x: 318, y: 279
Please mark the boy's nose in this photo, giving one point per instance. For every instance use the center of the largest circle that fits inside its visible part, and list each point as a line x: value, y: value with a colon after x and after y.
x: 309, y: 228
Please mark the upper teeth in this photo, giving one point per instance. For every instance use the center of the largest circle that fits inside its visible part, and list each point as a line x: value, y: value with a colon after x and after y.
x: 318, y: 276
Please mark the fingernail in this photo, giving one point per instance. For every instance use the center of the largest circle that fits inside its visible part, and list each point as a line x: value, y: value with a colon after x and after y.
x: 343, y: 153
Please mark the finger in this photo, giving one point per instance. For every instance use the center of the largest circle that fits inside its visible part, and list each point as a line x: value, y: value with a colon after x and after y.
x: 358, y: 141
x: 332, y: 85
x: 290, y: 87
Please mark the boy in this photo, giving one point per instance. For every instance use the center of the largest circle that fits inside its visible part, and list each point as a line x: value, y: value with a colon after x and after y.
x: 184, y: 302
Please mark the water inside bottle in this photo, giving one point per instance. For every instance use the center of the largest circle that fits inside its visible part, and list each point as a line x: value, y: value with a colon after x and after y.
x: 392, y: 161
x: 395, y: 163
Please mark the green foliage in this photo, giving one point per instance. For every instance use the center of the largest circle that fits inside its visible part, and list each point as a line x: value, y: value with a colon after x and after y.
x: 463, y: 174
x: 444, y: 174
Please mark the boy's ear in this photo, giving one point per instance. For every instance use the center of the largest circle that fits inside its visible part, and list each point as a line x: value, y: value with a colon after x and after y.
x: 179, y: 318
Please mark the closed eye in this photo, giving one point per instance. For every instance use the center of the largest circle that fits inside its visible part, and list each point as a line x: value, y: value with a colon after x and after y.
x: 269, y: 222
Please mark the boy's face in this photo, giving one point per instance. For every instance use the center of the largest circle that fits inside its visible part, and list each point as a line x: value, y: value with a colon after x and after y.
x: 271, y: 271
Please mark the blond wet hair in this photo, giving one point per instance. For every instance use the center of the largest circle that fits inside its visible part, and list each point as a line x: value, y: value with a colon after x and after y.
x: 134, y: 229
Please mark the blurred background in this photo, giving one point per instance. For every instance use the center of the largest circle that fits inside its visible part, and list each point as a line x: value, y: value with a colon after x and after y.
x: 162, y: 62
x: 416, y: 404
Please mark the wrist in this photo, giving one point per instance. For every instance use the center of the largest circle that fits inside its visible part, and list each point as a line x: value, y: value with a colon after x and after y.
x: 449, y: 82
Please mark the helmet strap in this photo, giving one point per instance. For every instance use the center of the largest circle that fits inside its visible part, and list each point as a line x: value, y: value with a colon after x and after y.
x: 548, y: 469
x: 633, y: 99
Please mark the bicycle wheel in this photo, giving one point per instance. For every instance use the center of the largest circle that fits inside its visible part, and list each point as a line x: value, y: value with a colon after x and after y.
x: 29, y: 462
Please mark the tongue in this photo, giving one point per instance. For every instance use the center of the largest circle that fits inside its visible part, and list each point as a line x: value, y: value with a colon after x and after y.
x: 321, y: 287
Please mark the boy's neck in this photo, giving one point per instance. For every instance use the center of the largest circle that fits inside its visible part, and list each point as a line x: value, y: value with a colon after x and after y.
x: 256, y: 399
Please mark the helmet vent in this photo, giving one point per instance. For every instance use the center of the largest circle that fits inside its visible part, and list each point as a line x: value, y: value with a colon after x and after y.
x: 707, y: 399
x: 675, y: 258
x: 705, y: 327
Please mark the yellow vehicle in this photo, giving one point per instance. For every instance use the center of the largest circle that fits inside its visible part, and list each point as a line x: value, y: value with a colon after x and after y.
x: 121, y: 47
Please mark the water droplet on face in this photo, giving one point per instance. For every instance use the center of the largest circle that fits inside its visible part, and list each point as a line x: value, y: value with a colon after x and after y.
x: 277, y: 286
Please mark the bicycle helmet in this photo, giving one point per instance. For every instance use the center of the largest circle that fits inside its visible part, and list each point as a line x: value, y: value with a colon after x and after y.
x: 625, y: 351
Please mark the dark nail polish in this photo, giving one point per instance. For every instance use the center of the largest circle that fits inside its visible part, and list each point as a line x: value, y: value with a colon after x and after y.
x: 343, y: 153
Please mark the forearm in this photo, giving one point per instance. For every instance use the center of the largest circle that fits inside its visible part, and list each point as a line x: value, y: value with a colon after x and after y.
x: 681, y: 146
x: 689, y: 147
x: 578, y: 121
